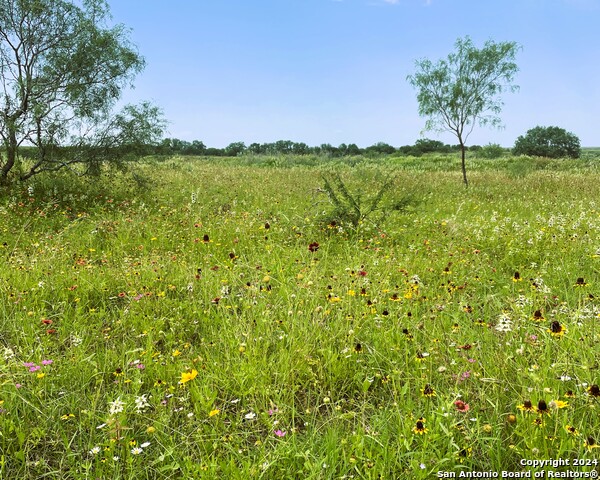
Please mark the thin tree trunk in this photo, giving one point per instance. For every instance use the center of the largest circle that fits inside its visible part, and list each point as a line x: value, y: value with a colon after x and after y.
x: 464, y: 167
x: 11, y: 155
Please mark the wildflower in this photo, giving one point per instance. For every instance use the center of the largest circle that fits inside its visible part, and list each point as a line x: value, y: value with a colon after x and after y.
x: 419, y: 428
x: 511, y: 418
x: 464, y: 453
x: 150, y: 429
x: 504, y: 323
x: 47, y: 362
x: 517, y: 277
x: 408, y: 335
x: 590, y: 443
x: 250, y: 416
x: 141, y: 403
x: 580, y: 282
x: 428, y: 391
x: 313, y: 247
x: 118, y: 372
x: 571, y: 430
x: 558, y: 404
x: 421, y: 356
x: 145, y: 445
x: 542, y: 408
x: 279, y: 433
x: 358, y: 348
x: 116, y: 407
x: 8, y: 353
x: 188, y: 376
x: 461, y: 406
x: 527, y: 406
x: 556, y: 329
x: 41, y: 375
x: 176, y: 353
x: 593, y: 391
x: 214, y: 412
x: 136, y: 451
x: 538, y: 316
x: 569, y: 394
x: 95, y: 450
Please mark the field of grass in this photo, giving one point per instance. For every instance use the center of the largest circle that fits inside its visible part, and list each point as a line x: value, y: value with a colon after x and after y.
x: 220, y: 322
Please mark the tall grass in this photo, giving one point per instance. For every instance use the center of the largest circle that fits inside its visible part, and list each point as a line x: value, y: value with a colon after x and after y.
x: 209, y: 324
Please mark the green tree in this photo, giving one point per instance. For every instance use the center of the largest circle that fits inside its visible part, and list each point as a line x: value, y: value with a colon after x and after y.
x: 425, y: 145
x: 380, y: 148
x: 62, y: 70
x: 300, y: 148
x: 552, y: 142
x: 458, y: 93
x: 234, y: 149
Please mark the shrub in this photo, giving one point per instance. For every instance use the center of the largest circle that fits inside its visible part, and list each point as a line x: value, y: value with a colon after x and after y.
x: 350, y: 208
x: 551, y: 142
x: 491, y: 151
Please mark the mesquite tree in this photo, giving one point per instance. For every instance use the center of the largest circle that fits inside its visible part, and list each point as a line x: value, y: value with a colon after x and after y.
x: 464, y: 90
x: 62, y: 70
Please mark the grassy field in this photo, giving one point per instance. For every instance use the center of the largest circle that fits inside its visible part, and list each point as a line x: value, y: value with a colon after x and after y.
x: 222, y: 321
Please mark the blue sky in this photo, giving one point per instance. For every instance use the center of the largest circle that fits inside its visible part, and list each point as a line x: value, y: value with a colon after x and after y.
x: 334, y: 71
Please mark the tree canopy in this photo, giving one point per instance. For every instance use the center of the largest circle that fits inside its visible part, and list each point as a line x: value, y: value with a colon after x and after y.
x: 552, y: 142
x: 464, y: 90
x: 62, y: 71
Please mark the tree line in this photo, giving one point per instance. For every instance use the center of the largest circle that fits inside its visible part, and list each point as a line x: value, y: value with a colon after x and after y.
x: 175, y: 146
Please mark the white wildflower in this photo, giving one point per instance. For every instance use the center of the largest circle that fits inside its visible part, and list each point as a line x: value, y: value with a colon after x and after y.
x: 141, y: 403
x: 116, y: 407
x: 504, y: 323
x: 8, y: 353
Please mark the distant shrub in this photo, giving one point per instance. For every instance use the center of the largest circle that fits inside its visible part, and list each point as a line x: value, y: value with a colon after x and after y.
x: 551, y: 142
x: 491, y: 151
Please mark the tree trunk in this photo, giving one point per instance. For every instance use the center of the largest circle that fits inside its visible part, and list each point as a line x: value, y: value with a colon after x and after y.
x: 11, y: 156
x: 464, y: 167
